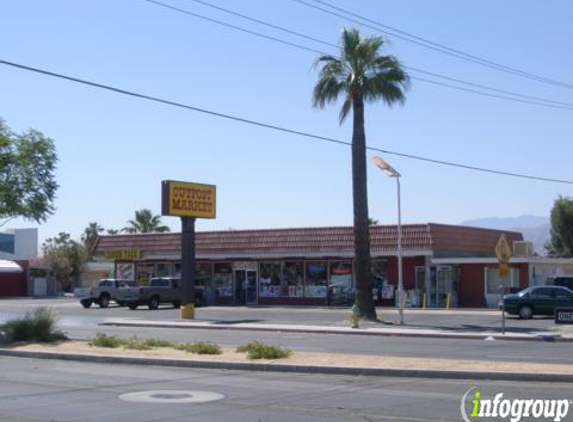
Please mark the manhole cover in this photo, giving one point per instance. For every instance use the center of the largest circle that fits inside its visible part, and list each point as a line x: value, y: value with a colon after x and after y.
x: 171, y: 396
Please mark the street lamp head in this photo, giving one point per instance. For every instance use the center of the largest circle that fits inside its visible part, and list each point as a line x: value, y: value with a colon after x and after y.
x: 386, y: 168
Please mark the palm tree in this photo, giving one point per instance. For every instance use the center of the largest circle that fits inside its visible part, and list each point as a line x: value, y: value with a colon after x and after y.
x: 361, y: 75
x: 145, y: 222
x: 90, y: 235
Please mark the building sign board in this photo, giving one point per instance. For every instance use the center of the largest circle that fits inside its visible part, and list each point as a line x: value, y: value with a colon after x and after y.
x: 183, y: 199
x: 122, y: 254
x: 125, y: 271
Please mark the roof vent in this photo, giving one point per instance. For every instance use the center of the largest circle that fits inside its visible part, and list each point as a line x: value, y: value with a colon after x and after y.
x: 522, y: 249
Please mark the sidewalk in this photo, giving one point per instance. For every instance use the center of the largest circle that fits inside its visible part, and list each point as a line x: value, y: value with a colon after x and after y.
x: 367, y: 328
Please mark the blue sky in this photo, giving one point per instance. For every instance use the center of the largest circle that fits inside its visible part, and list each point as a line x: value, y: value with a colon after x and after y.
x: 115, y: 150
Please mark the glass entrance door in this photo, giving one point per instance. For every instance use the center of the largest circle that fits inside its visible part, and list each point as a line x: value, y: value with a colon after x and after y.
x: 239, y: 287
x: 251, y: 292
x: 245, y: 287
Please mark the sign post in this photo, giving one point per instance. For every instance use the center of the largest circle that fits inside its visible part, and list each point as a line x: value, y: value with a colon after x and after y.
x: 188, y: 201
x: 503, y: 253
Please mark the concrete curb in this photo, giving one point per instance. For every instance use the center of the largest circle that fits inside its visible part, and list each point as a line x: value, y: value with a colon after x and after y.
x: 548, y: 337
x: 304, y: 369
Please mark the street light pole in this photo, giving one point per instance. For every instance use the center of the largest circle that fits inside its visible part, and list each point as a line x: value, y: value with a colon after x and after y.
x: 389, y: 171
x: 400, y: 280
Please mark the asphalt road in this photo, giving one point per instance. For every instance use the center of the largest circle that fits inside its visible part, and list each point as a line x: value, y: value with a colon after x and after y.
x: 464, y: 320
x: 81, y: 323
x: 49, y: 391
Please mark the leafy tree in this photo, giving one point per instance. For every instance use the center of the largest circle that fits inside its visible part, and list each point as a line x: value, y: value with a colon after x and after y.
x: 372, y: 222
x: 66, y: 258
x: 561, y: 242
x: 27, y: 182
x: 145, y: 222
x: 112, y: 232
x: 360, y: 75
x: 90, y: 235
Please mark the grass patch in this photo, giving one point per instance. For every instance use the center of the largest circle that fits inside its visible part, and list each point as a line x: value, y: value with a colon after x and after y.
x: 133, y: 343
x: 151, y: 342
x: 201, y: 348
x: 257, y: 350
x: 38, y: 325
x: 103, y: 340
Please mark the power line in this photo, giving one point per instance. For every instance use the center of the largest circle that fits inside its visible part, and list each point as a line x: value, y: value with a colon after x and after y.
x: 228, y: 25
x: 261, y: 22
x: 329, y: 44
x: 273, y: 127
x: 527, y: 99
x: 429, y: 44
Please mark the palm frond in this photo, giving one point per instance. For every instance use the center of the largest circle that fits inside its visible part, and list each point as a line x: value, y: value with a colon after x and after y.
x: 361, y: 70
x: 346, y: 107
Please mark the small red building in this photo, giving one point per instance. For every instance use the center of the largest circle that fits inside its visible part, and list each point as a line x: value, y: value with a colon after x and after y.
x: 313, y: 266
x: 12, y: 278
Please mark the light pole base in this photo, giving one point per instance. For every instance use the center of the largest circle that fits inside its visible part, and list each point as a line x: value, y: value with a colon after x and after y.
x: 188, y: 311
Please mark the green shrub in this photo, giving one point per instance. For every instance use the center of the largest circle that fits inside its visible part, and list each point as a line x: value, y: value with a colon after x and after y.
x: 103, y: 340
x: 135, y: 343
x: 257, y: 350
x: 201, y: 348
x: 151, y: 342
x: 38, y: 325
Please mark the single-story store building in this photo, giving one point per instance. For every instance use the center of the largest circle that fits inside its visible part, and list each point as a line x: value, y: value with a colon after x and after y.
x: 442, y: 264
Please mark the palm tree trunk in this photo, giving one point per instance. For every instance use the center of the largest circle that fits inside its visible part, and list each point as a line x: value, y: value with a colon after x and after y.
x: 362, y: 266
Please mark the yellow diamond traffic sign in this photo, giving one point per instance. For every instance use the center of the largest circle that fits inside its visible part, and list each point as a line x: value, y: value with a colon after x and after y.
x: 503, y: 250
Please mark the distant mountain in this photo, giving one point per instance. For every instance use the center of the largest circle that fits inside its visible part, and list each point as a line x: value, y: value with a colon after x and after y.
x: 535, y: 229
x: 524, y: 221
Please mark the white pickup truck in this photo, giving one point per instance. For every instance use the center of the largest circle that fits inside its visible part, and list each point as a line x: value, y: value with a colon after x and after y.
x: 107, y: 289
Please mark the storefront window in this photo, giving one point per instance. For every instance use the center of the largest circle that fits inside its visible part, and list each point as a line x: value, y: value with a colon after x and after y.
x: 341, y: 274
x: 164, y: 269
x: 381, y: 287
x: 223, y: 280
x: 270, y: 279
x: 145, y: 272
x: 293, y: 278
x: 494, y: 282
x: 315, y: 279
x: 203, y: 274
x: 177, y: 270
x: 340, y: 283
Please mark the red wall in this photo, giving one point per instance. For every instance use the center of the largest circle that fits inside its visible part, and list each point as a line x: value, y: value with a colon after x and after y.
x: 471, y: 287
x: 12, y: 284
x: 471, y: 292
x: 408, y: 271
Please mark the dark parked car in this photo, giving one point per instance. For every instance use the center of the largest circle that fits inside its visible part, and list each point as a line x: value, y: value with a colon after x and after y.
x: 538, y: 300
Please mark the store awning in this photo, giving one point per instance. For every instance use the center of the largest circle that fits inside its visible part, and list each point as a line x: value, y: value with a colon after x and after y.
x: 9, y: 267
